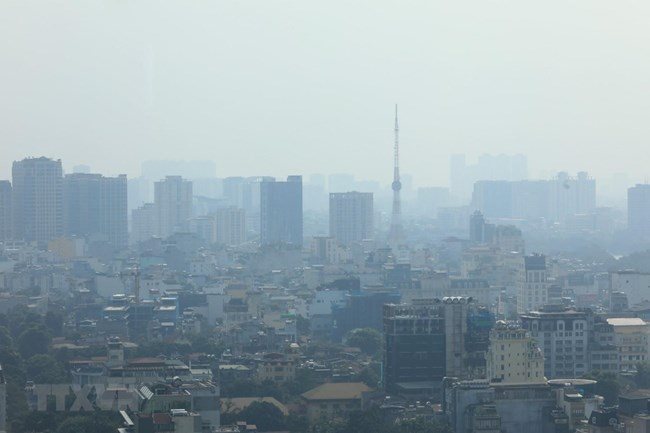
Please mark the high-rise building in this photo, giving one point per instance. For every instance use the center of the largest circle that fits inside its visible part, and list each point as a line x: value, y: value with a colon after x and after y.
x: 414, y: 346
x: 489, y: 167
x: 572, y: 195
x: 513, y: 356
x: 230, y: 226
x: 173, y: 200
x: 205, y: 227
x: 144, y: 223
x: 233, y: 191
x: 479, y: 230
x: 563, y: 335
x: 81, y: 200
x: 140, y: 191
x: 5, y: 210
x: 281, y: 212
x: 533, y: 283
x: 96, y: 206
x: 494, y: 198
x: 251, y: 195
x: 424, y: 342
x: 114, y: 219
x: 351, y: 216
x: 37, y: 199
x: 638, y: 210
x: 555, y: 200
x: 324, y: 250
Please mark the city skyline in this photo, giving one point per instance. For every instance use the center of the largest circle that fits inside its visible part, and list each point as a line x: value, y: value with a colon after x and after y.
x: 213, y: 220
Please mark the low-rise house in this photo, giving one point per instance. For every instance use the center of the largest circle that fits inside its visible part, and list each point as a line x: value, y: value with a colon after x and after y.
x: 333, y: 400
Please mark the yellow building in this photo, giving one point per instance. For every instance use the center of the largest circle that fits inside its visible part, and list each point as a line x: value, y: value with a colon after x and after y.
x: 513, y: 356
x: 334, y: 400
x: 276, y: 367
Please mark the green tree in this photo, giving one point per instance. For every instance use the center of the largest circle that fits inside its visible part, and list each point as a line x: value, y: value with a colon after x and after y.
x: 368, y: 421
x: 95, y: 422
x: 303, y: 325
x: 206, y: 344
x: 33, y: 341
x: 12, y: 365
x: 54, y: 322
x: 420, y: 425
x: 369, y: 376
x: 366, y: 339
x: 5, y: 337
x: 266, y: 416
x: 240, y: 388
x: 642, y: 376
x: 607, y: 385
x: 45, y: 369
x: 297, y: 423
x: 17, y: 408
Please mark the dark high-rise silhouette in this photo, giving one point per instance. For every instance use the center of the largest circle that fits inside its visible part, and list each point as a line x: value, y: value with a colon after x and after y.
x: 281, y: 211
x: 638, y: 210
x: 6, y: 217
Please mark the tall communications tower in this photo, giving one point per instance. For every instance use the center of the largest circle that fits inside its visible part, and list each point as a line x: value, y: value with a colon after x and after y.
x: 395, y: 236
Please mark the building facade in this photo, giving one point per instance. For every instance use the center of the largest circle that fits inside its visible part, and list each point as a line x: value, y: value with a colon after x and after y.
x: 351, y: 216
x: 631, y: 341
x: 425, y: 342
x: 96, y: 206
x: 281, y: 212
x: 532, y: 288
x: 37, y: 199
x: 638, y: 210
x: 513, y: 356
x: 6, y: 218
x: 144, y: 223
x: 230, y: 226
x: 563, y: 336
x: 173, y: 200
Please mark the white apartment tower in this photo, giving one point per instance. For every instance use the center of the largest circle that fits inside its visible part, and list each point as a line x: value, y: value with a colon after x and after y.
x: 37, y: 199
x: 230, y: 226
x: 173, y: 200
x: 351, y: 216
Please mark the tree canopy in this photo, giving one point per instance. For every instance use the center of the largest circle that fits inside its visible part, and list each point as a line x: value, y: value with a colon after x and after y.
x: 366, y: 339
x: 266, y: 416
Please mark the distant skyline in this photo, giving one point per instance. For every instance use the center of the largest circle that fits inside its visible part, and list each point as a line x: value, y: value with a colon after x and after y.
x: 297, y: 87
x: 69, y: 168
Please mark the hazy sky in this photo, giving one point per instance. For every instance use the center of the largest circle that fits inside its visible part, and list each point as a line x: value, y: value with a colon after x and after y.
x: 277, y: 87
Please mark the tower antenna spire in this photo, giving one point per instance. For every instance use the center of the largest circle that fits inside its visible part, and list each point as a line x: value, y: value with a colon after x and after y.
x: 395, y: 236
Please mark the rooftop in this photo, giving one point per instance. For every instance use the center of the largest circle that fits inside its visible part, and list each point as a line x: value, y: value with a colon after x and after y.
x: 240, y: 403
x: 626, y: 321
x: 337, y: 391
